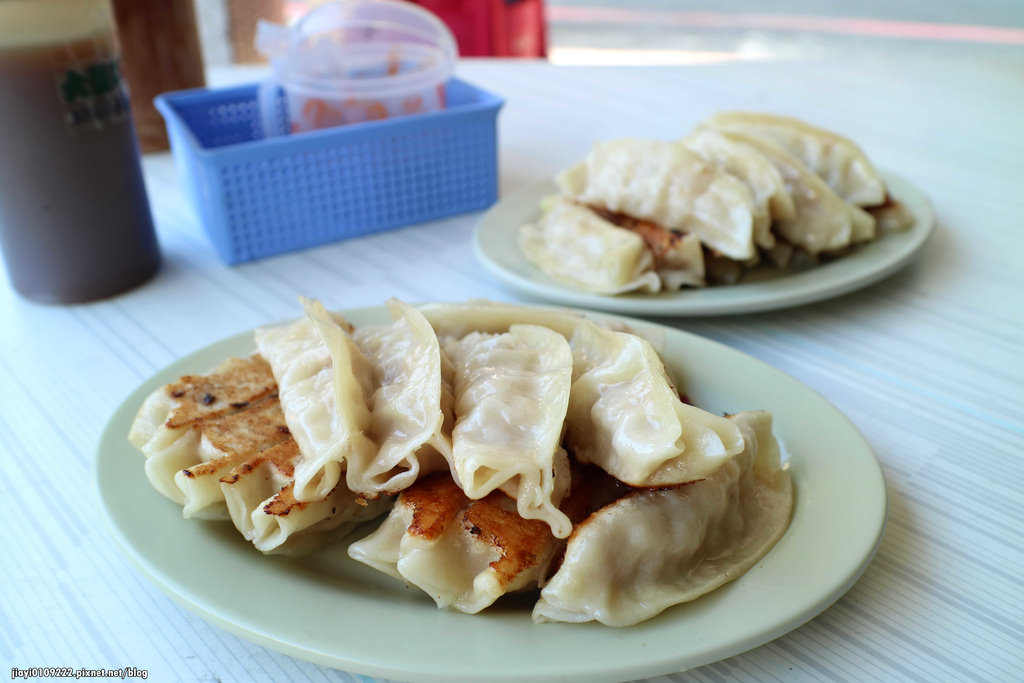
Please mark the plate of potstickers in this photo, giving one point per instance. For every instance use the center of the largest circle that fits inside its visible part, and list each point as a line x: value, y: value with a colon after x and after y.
x: 749, y: 212
x: 427, y: 493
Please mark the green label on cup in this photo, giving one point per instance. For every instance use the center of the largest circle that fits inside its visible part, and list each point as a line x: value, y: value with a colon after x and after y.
x: 94, y: 95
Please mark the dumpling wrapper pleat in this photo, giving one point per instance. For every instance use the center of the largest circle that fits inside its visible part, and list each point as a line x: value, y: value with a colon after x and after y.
x: 374, y: 408
x: 511, y: 397
x: 412, y: 405
x: 325, y: 383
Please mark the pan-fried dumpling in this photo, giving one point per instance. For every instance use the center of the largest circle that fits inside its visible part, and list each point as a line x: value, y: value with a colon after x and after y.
x: 667, y: 184
x: 573, y: 244
x: 655, y: 548
x: 824, y: 222
x: 626, y: 416
x: 325, y: 384
x: 412, y: 405
x: 771, y: 198
x: 169, y: 427
x: 259, y: 496
x: 375, y: 406
x: 511, y: 396
x: 838, y: 160
x: 464, y: 553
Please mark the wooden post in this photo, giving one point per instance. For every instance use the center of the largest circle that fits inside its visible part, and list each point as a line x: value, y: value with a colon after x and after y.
x: 243, y: 16
x: 160, y: 52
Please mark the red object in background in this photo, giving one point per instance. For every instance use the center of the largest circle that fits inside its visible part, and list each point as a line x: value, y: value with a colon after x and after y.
x: 494, y: 28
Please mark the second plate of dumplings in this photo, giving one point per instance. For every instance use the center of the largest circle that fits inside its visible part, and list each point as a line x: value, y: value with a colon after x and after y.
x: 749, y: 212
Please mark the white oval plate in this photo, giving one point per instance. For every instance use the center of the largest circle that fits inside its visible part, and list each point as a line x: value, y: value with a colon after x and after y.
x: 496, y: 246
x: 333, y: 611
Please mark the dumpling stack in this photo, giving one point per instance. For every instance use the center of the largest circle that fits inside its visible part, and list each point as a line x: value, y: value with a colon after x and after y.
x: 641, y: 215
x: 516, y: 449
x: 219, y: 445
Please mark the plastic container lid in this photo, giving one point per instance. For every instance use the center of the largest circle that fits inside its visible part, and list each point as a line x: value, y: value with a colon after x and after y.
x: 360, y: 49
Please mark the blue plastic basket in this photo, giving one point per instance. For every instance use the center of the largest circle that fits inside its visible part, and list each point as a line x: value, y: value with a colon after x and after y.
x: 259, y: 196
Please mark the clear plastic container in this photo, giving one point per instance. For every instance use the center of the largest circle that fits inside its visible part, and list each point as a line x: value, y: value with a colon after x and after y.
x: 354, y: 61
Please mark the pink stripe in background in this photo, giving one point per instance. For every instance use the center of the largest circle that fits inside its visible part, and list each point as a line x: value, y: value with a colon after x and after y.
x: 914, y: 30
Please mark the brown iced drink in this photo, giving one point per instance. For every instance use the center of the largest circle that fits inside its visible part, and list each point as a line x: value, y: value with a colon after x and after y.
x: 75, y: 223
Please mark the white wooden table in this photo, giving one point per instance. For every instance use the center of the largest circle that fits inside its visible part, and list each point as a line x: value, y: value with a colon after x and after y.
x: 927, y: 364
